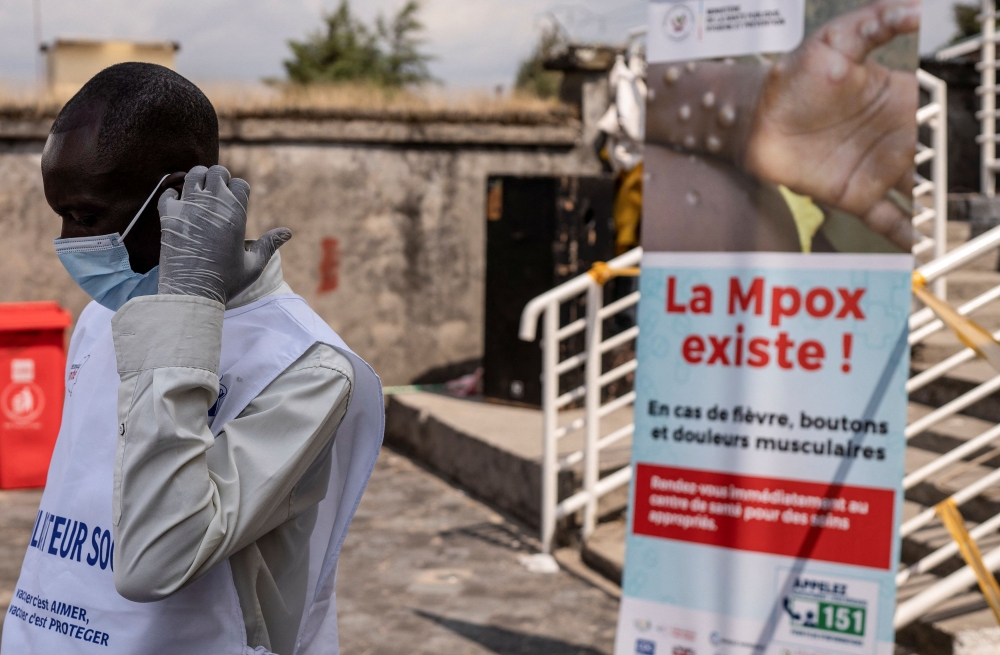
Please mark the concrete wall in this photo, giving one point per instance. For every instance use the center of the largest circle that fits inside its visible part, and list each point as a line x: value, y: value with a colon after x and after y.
x: 404, y: 200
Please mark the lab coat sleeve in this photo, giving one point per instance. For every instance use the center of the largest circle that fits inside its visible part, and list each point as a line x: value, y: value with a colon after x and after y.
x: 184, y: 500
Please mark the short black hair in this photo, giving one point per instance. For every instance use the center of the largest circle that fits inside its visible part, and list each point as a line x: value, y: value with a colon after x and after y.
x: 147, y: 111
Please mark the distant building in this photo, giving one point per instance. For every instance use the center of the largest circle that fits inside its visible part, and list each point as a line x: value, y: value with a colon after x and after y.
x: 71, y: 62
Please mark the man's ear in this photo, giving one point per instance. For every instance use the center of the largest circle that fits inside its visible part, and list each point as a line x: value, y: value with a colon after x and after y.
x: 173, y: 181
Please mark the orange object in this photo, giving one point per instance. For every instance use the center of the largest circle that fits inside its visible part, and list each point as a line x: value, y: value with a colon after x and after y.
x: 32, y: 364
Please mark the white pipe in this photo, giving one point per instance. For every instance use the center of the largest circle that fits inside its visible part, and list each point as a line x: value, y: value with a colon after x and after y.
x: 572, y: 426
x: 570, y: 363
x: 924, y: 115
x: 988, y: 82
x: 939, y: 174
x: 607, y: 484
x: 941, y: 413
x: 923, y: 187
x: 960, y: 49
x: 566, y: 290
x: 615, y: 480
x: 922, y: 246
x: 961, y: 255
x: 954, y: 584
x: 951, y: 457
x: 616, y: 436
x: 576, y: 327
x: 569, y: 396
x: 620, y: 304
x: 595, y: 334
x: 568, y: 461
x: 944, y: 552
x: 620, y: 338
x: 617, y: 373
x: 925, y: 328
x: 924, y: 378
x: 960, y: 497
x: 550, y: 423
x: 616, y: 404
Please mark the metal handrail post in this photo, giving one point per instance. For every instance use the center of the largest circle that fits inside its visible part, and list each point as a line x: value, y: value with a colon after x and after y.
x: 940, y: 178
x: 989, y: 101
x: 591, y: 454
x: 550, y: 419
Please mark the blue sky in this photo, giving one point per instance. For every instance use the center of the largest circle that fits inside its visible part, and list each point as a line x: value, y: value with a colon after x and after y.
x: 476, y: 43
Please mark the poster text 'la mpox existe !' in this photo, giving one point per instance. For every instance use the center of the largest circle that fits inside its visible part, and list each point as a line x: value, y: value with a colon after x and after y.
x: 770, y: 393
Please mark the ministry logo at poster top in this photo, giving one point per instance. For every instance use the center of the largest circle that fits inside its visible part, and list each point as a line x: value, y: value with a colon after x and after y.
x: 679, y: 22
x: 722, y: 28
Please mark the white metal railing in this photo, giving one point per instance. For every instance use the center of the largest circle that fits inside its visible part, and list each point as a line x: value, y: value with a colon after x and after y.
x: 934, y: 115
x: 959, y: 460
x: 986, y: 44
x: 923, y: 323
x: 548, y: 306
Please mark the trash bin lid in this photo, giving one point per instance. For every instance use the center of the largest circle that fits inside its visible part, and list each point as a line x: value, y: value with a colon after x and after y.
x: 23, y: 316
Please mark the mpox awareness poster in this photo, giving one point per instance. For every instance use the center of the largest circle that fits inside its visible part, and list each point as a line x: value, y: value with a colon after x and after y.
x: 770, y: 391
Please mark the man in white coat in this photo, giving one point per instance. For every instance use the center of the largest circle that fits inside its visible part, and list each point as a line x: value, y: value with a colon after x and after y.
x: 216, y: 434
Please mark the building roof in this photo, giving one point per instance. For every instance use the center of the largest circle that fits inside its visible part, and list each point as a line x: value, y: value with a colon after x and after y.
x: 89, y: 41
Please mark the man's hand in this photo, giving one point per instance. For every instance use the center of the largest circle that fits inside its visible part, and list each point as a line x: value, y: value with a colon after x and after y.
x: 840, y: 128
x: 202, y: 233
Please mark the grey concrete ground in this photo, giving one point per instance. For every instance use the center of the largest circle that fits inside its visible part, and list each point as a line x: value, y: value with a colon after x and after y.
x: 17, y: 517
x: 425, y: 569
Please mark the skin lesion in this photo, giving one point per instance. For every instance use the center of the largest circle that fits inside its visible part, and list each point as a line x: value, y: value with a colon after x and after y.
x: 855, y: 120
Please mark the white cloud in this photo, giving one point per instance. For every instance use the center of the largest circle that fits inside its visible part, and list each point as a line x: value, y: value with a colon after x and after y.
x: 937, y: 24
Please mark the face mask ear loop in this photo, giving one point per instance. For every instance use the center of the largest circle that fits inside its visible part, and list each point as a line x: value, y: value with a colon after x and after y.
x: 143, y: 208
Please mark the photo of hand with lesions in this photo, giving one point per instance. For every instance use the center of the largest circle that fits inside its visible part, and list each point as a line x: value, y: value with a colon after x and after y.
x: 806, y: 151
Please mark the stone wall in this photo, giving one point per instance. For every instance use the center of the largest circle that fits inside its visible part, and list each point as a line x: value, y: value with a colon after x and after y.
x: 388, y: 218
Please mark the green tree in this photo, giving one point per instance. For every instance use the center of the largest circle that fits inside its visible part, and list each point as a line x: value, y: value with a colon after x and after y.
x: 404, y: 63
x: 965, y: 20
x: 350, y: 51
x: 532, y: 78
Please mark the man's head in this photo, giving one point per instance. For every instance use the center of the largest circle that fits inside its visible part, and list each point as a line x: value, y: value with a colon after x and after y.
x: 130, y: 125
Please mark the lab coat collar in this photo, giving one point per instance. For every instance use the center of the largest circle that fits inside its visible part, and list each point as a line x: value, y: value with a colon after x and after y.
x: 271, y: 281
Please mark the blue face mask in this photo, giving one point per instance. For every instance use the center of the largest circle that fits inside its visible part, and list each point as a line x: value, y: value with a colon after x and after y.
x: 100, y: 265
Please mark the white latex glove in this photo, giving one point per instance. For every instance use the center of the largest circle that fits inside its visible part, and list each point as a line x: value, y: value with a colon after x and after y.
x: 202, y: 233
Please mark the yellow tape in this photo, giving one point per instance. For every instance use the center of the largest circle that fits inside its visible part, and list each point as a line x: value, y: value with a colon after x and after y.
x: 953, y: 521
x: 968, y: 331
x: 601, y: 272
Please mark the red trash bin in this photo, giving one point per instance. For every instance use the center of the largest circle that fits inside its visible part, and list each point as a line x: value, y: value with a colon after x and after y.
x: 32, y: 365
